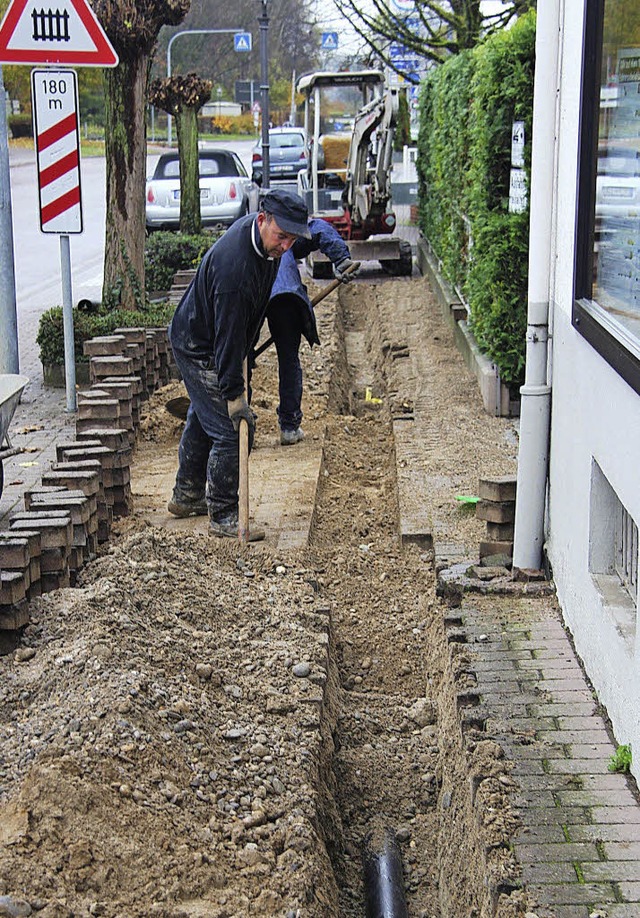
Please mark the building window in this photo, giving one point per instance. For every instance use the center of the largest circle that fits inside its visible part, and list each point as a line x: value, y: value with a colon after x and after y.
x: 607, y: 280
x: 613, y: 556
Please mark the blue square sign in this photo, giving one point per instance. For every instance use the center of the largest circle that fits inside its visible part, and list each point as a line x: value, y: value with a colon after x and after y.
x: 242, y: 41
x: 329, y: 41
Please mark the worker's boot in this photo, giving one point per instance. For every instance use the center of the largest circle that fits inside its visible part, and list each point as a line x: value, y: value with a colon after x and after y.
x: 289, y: 437
x: 227, y: 526
x: 187, y: 508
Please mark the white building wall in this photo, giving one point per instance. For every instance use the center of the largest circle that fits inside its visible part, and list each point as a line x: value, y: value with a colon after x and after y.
x: 595, y: 417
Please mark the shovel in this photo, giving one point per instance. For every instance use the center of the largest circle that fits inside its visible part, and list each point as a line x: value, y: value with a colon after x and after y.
x: 178, y: 407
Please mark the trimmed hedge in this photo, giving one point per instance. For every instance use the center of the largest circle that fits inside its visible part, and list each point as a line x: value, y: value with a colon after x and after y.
x: 166, y: 252
x: 467, y: 108
x: 50, y: 337
x: 20, y: 125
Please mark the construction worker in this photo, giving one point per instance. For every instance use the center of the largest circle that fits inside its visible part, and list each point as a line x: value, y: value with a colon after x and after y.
x: 290, y: 315
x: 213, y: 328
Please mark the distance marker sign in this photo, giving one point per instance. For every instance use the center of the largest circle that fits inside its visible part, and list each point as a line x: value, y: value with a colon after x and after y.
x: 54, y: 32
x: 55, y: 116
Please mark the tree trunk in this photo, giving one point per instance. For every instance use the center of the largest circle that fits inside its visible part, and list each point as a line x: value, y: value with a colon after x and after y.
x: 187, y: 130
x: 126, y: 156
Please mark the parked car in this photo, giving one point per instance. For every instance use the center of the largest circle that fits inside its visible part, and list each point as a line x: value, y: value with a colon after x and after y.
x: 226, y: 191
x: 287, y: 154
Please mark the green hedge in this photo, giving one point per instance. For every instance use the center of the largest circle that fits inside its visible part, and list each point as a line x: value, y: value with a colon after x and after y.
x: 20, y: 125
x: 50, y: 338
x: 165, y: 253
x: 467, y: 108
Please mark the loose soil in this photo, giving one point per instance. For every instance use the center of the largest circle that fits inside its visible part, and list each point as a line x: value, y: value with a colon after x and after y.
x: 204, y: 729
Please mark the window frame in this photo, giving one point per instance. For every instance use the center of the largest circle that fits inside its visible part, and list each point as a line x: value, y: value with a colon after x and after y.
x: 620, y: 350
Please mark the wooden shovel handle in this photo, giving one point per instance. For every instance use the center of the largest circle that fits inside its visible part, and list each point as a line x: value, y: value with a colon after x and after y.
x: 243, y: 484
x: 243, y: 481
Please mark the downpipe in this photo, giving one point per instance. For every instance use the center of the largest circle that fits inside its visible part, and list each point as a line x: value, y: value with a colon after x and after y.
x: 383, y: 876
x: 535, y: 406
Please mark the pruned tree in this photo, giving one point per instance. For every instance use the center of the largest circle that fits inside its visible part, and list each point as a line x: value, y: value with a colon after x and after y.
x: 183, y: 97
x: 132, y: 27
x: 428, y: 29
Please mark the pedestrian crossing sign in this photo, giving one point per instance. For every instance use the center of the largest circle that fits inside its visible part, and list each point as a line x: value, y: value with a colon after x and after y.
x: 242, y: 41
x: 329, y: 41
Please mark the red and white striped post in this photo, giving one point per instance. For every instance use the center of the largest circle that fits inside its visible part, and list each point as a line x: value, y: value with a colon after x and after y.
x: 57, y: 139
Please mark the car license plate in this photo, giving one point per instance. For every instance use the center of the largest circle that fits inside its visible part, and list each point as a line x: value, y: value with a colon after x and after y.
x: 204, y: 195
x: 282, y: 168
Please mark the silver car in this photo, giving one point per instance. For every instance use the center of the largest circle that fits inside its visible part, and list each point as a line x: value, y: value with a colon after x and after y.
x: 226, y: 191
x: 287, y: 154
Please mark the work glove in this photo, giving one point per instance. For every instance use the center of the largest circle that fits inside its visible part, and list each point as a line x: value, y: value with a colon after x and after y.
x: 238, y: 409
x: 341, y: 267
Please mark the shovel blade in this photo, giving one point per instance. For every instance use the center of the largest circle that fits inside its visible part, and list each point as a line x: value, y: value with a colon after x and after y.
x: 178, y: 407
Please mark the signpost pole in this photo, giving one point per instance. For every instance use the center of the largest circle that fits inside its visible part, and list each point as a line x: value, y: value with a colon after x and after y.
x: 9, y: 360
x: 67, y: 323
x: 263, y: 21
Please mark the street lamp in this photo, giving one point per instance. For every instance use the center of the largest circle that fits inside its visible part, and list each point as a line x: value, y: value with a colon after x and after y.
x: 263, y: 21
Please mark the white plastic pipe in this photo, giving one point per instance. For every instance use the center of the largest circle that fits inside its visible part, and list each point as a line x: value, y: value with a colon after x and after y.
x: 535, y: 406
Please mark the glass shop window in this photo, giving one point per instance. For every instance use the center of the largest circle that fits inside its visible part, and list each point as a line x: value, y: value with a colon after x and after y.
x: 607, y: 306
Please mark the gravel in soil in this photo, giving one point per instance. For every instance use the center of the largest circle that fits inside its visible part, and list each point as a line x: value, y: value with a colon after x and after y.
x: 203, y: 729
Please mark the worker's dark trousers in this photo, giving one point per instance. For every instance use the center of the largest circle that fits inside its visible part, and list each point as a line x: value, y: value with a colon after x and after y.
x: 208, y: 451
x: 283, y: 316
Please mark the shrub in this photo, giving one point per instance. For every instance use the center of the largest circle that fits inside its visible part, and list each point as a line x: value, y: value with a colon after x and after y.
x: 467, y: 109
x: 50, y: 337
x: 20, y: 125
x: 166, y: 253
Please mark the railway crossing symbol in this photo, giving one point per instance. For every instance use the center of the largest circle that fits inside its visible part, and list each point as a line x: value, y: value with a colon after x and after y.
x: 57, y: 141
x: 54, y: 32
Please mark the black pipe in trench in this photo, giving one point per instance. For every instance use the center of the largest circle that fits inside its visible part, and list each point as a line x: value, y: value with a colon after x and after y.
x: 383, y: 878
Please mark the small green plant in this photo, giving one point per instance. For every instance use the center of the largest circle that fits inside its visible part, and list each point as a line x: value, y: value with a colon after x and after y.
x: 621, y: 760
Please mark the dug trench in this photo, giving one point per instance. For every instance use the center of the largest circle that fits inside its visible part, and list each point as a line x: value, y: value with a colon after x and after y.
x: 204, y: 729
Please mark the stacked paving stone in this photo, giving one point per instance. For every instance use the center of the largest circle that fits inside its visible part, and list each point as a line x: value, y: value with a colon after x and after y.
x: 497, y: 505
x: 71, y: 513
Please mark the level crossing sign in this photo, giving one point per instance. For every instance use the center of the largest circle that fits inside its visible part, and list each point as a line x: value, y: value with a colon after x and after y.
x: 57, y: 141
x: 65, y: 32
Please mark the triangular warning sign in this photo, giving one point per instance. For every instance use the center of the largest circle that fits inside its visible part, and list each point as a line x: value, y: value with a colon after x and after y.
x: 54, y: 32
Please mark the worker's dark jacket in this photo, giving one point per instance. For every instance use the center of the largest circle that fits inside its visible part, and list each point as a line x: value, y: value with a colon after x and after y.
x: 220, y: 315
x: 288, y: 281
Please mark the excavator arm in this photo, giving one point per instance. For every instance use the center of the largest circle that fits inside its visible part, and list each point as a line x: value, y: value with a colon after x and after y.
x: 368, y: 179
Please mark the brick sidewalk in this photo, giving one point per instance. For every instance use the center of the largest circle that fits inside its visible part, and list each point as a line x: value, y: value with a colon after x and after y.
x: 579, y: 845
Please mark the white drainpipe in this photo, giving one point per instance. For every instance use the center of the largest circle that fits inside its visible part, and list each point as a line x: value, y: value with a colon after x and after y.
x: 535, y: 406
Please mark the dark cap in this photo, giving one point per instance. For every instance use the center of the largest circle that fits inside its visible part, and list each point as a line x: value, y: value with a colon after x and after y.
x: 289, y: 211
